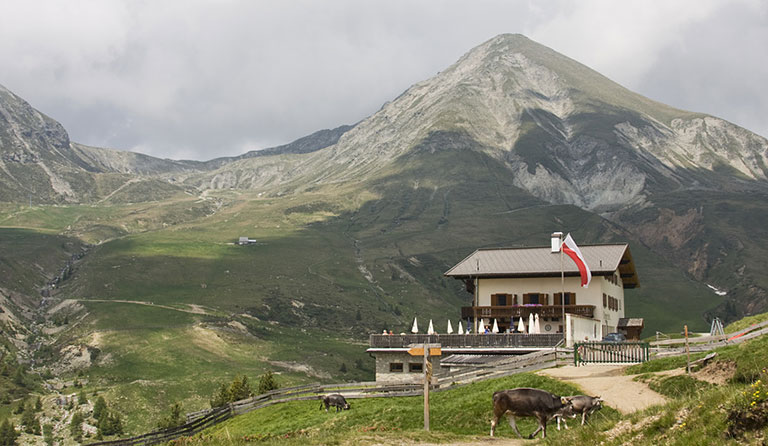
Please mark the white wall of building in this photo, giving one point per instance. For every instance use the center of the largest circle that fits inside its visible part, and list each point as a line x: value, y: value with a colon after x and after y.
x: 580, y: 329
x: 593, y: 295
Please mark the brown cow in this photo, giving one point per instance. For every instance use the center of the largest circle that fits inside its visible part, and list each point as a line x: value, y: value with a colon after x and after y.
x: 526, y: 402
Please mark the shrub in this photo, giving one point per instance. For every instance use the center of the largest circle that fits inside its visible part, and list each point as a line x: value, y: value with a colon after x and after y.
x: 267, y: 382
x: 174, y: 418
x: 8, y: 434
x: 76, y: 426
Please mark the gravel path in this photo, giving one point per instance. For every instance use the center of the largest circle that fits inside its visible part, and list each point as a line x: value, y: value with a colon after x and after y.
x: 610, y: 383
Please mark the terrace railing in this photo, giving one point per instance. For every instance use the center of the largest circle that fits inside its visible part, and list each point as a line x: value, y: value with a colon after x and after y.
x: 500, y: 340
x: 523, y: 311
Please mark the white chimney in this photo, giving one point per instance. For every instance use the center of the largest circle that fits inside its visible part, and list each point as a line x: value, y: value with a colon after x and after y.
x: 556, y: 237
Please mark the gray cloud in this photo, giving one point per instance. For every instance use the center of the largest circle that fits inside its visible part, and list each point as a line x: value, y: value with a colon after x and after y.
x: 200, y: 79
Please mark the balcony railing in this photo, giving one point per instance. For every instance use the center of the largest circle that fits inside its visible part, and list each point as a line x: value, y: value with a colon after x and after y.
x: 500, y: 340
x: 524, y: 310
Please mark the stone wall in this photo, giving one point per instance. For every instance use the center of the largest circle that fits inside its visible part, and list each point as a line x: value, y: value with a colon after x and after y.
x: 385, y: 376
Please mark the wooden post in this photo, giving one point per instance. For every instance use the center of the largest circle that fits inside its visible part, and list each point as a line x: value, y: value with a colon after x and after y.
x: 687, y: 352
x: 427, y: 379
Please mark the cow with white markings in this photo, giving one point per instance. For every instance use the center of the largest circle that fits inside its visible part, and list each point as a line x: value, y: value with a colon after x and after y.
x: 526, y: 402
x: 581, y: 404
x: 336, y: 400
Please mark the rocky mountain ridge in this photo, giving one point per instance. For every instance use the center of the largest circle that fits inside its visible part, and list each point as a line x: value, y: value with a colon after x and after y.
x: 562, y: 132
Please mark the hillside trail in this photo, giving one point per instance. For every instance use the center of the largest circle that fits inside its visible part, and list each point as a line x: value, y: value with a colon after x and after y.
x: 610, y: 383
x: 191, y: 308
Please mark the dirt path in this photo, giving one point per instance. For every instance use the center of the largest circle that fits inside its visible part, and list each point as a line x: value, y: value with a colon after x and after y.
x: 191, y: 308
x: 610, y: 383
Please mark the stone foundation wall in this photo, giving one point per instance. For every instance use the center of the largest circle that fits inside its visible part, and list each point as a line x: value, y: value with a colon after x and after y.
x: 385, y: 376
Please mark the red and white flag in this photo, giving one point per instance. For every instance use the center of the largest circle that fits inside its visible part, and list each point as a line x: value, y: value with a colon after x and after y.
x: 573, y: 251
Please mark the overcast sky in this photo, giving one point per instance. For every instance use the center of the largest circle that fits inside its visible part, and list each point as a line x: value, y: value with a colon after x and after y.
x: 200, y: 79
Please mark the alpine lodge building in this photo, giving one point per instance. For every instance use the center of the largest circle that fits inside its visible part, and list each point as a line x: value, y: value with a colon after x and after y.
x: 512, y: 286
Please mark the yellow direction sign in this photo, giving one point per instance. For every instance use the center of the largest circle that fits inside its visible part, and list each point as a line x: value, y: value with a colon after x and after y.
x: 419, y: 351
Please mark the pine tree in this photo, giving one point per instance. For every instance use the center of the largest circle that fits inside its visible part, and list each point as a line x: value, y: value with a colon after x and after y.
x: 174, y: 419
x: 48, y: 434
x: 343, y: 368
x: 8, y: 434
x: 221, y: 397
x: 18, y: 377
x: 76, y: 426
x: 29, y: 420
x: 38, y: 404
x: 82, y: 398
x: 240, y: 389
x: 267, y: 382
x: 99, y: 407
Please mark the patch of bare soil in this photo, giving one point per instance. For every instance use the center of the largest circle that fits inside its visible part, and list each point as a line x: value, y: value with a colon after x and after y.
x: 751, y: 419
x: 716, y: 372
x: 625, y: 426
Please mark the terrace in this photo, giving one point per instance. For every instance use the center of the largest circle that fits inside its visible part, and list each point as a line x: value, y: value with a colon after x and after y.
x: 468, y: 341
x: 516, y: 311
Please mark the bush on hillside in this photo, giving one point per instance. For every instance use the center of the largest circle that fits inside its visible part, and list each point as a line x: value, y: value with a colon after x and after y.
x: 174, y: 418
x: 267, y: 382
x: 237, y: 390
x: 8, y: 434
x: 76, y: 426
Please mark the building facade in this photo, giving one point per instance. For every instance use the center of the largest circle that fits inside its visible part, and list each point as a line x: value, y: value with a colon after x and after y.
x: 512, y: 287
x: 509, y: 284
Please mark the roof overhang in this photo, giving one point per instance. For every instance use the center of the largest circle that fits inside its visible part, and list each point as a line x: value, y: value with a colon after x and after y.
x: 621, y: 255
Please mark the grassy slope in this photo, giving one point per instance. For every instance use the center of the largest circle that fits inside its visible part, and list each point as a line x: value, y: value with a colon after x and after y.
x: 696, y: 414
x: 454, y: 414
x: 299, y: 291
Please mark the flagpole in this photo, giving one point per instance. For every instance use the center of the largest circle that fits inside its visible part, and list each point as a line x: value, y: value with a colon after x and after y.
x: 562, y: 284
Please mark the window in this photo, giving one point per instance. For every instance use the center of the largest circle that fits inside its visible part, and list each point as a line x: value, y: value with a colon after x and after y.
x: 531, y: 298
x: 416, y: 367
x: 570, y: 298
x: 605, y: 300
x: 395, y: 367
x: 501, y: 300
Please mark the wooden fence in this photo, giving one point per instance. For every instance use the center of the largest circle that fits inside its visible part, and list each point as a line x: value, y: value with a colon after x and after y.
x: 610, y: 352
x: 673, y: 347
x: 201, y: 420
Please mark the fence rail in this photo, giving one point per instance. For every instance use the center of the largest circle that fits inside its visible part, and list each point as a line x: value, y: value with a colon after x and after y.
x: 498, y: 340
x: 610, y: 352
x: 201, y: 420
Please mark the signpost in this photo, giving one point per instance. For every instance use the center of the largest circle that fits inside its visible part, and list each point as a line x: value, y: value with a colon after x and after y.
x: 425, y: 351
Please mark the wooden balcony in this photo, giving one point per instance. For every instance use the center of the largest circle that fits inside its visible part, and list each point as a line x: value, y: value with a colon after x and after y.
x: 523, y: 311
x: 479, y: 341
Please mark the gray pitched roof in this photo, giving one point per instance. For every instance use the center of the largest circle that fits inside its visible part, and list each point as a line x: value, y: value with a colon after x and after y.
x: 625, y: 322
x: 541, y: 262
